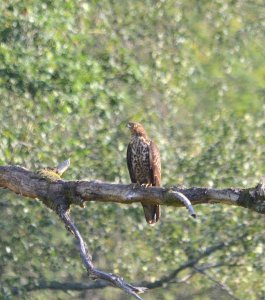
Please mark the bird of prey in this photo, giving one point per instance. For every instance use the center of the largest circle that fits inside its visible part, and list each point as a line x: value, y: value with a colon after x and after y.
x: 143, y: 161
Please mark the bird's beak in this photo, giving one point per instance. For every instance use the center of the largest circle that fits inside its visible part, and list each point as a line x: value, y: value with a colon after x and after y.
x: 129, y: 125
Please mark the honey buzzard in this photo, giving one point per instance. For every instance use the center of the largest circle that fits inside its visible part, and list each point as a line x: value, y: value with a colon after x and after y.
x: 143, y: 161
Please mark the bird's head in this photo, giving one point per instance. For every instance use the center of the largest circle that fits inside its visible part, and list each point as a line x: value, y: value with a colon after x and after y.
x: 136, y: 129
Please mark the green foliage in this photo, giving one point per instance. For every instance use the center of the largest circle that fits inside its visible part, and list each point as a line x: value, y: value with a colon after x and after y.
x: 72, y: 74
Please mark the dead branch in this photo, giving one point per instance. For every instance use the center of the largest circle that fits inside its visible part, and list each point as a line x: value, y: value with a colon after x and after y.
x: 94, y: 273
x: 29, y: 184
x: 172, y: 278
x: 221, y: 285
x: 59, y: 195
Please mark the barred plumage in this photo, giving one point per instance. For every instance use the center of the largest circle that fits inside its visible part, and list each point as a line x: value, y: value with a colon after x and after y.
x: 143, y: 160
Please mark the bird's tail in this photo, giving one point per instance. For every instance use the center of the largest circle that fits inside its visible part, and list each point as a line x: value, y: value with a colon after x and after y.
x: 152, y: 213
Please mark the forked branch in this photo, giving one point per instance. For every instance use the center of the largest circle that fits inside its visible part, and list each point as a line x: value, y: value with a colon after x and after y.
x: 173, y: 277
x: 59, y: 195
x: 92, y: 272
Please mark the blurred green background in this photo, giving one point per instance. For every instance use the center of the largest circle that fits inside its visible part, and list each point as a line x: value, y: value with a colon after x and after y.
x: 72, y: 73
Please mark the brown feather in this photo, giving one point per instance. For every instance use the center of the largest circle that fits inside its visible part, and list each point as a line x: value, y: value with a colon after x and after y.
x: 155, y: 164
x: 143, y: 161
x: 129, y: 163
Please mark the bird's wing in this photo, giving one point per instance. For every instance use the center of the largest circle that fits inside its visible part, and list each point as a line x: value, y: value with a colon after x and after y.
x: 129, y: 163
x: 152, y: 212
x: 155, y: 164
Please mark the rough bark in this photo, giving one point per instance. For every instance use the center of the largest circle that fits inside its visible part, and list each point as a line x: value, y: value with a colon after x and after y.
x: 29, y: 184
x: 59, y: 195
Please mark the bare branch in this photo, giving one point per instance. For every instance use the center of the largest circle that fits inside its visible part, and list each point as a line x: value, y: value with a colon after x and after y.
x: 62, y: 167
x: 172, y: 278
x: 34, y: 285
x: 29, y: 184
x: 59, y: 195
x: 91, y: 270
x: 218, y: 283
x: 186, y: 202
x: 191, y: 263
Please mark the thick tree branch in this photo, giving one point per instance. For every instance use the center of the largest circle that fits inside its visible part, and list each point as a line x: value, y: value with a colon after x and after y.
x: 58, y: 198
x: 29, y: 184
x: 59, y: 195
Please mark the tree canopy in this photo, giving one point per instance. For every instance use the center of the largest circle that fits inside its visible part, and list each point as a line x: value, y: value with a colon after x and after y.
x: 72, y: 74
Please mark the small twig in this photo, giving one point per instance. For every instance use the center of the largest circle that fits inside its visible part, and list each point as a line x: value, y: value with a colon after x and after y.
x: 218, y: 283
x: 77, y: 286
x: 91, y: 270
x: 34, y: 285
x: 186, y: 202
x: 171, y: 277
x: 203, y: 268
x: 62, y: 167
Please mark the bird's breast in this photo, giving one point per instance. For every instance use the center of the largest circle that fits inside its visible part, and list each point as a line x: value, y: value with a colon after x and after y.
x: 140, y: 160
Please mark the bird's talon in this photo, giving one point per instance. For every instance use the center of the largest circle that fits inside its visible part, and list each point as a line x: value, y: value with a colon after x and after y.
x: 146, y: 185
